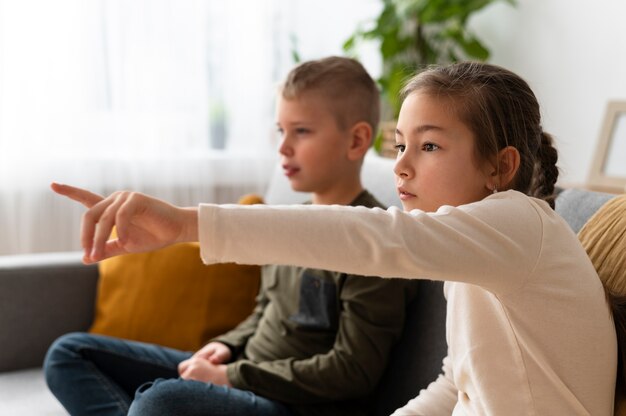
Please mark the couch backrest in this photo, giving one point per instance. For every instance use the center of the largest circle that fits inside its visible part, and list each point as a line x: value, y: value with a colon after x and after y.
x: 416, y: 360
x: 576, y: 206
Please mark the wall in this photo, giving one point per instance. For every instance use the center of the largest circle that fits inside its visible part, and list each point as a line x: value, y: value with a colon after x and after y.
x: 321, y: 27
x: 573, y: 54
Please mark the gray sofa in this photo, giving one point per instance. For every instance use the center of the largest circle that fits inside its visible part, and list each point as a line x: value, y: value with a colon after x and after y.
x: 45, y: 295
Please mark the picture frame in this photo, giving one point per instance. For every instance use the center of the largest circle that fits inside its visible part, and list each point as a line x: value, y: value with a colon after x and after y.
x: 608, y: 169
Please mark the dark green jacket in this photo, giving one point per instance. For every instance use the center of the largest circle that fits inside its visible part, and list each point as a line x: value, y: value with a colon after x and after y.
x: 318, y: 341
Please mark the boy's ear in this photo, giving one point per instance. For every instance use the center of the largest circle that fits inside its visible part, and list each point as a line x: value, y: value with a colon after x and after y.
x: 360, y: 140
x: 506, y: 167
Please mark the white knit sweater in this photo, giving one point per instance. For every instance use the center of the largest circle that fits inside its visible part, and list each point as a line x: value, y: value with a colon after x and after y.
x: 528, y: 327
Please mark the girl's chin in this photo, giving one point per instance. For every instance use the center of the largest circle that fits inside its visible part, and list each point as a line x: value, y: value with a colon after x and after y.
x: 410, y: 206
x: 407, y: 206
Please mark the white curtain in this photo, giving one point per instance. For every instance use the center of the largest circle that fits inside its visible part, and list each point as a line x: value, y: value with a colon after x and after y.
x: 170, y: 97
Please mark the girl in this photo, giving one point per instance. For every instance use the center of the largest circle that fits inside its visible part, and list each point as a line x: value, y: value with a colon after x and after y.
x: 529, y: 330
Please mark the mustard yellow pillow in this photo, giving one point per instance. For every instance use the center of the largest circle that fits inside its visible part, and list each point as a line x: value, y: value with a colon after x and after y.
x: 169, y: 297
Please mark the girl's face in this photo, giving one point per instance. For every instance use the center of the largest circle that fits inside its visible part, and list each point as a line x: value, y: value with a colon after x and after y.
x: 436, y: 163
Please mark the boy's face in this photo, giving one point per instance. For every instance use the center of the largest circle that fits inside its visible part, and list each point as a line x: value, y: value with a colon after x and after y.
x: 436, y: 164
x: 313, y: 148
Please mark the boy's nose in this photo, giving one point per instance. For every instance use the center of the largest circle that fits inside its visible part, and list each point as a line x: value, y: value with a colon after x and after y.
x: 285, y: 148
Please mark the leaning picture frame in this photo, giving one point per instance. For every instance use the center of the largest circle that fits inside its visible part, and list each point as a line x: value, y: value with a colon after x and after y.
x: 608, y: 169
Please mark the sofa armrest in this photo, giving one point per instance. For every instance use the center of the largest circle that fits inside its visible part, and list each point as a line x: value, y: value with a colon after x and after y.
x: 42, y: 296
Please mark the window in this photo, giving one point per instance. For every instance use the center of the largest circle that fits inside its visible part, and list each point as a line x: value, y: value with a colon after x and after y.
x: 170, y: 97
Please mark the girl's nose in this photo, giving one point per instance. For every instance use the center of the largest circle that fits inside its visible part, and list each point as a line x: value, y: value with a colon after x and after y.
x: 403, y: 168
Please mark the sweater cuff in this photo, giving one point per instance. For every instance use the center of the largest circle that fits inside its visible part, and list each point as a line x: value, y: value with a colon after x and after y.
x: 235, y: 350
x: 232, y: 372
x: 207, y: 232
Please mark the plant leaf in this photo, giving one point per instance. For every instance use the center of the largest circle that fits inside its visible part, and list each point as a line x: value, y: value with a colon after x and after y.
x: 438, y: 11
x: 474, y: 48
x: 295, y: 55
x: 348, y: 45
x: 398, y: 76
x: 412, y: 34
x: 470, y: 45
x: 390, y: 45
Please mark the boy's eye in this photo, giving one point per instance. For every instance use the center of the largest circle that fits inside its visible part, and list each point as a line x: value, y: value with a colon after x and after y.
x: 280, y: 131
x: 400, y: 148
x: 429, y: 147
x: 302, y: 130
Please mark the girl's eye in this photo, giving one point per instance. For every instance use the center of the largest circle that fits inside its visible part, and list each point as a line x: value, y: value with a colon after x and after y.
x: 400, y: 148
x: 429, y: 147
x: 302, y: 130
x: 280, y: 131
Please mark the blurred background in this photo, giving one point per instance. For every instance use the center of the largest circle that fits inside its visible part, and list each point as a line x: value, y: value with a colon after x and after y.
x: 176, y: 98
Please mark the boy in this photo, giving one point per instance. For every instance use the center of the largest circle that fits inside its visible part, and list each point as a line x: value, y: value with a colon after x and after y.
x: 317, y: 342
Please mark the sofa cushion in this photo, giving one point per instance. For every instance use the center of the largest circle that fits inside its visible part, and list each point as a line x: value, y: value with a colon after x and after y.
x: 604, y: 239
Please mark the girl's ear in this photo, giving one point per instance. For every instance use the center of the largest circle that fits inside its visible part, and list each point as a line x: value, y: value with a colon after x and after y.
x: 507, y: 165
x: 361, y: 136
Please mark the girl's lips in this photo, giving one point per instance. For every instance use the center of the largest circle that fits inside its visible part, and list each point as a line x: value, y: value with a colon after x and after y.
x: 404, y: 195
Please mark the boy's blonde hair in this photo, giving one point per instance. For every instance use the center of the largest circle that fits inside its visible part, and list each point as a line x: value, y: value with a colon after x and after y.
x: 351, y: 92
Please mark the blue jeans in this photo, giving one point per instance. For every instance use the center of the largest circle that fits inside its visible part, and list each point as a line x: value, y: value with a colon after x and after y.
x: 98, y: 375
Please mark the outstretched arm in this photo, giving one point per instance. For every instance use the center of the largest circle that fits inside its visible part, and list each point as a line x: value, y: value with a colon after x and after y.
x: 493, y: 243
x: 142, y: 223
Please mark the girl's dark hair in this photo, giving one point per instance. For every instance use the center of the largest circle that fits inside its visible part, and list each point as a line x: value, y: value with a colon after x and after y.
x: 501, y: 110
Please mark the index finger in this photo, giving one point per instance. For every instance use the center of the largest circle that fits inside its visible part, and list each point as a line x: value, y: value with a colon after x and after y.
x: 83, y: 196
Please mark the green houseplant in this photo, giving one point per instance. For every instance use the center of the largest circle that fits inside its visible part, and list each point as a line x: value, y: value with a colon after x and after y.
x: 413, y: 34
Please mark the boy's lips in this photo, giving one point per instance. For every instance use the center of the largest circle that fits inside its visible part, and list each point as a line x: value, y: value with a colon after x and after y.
x: 403, y: 194
x: 289, y: 170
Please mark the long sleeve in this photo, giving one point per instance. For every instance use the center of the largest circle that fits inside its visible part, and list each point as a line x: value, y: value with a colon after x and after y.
x: 371, y: 321
x: 452, y: 244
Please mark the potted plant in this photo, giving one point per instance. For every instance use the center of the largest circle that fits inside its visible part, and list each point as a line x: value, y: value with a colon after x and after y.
x: 413, y: 34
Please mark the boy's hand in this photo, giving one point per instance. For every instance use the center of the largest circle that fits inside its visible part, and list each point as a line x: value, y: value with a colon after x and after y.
x: 214, y: 352
x: 142, y: 223
x: 200, y: 369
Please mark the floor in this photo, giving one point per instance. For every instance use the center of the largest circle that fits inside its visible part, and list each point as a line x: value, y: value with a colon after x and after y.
x: 24, y: 393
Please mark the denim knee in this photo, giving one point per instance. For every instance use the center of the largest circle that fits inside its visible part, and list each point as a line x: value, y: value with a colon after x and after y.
x: 161, y: 397
x: 180, y: 397
x: 62, y: 350
x: 76, y: 382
